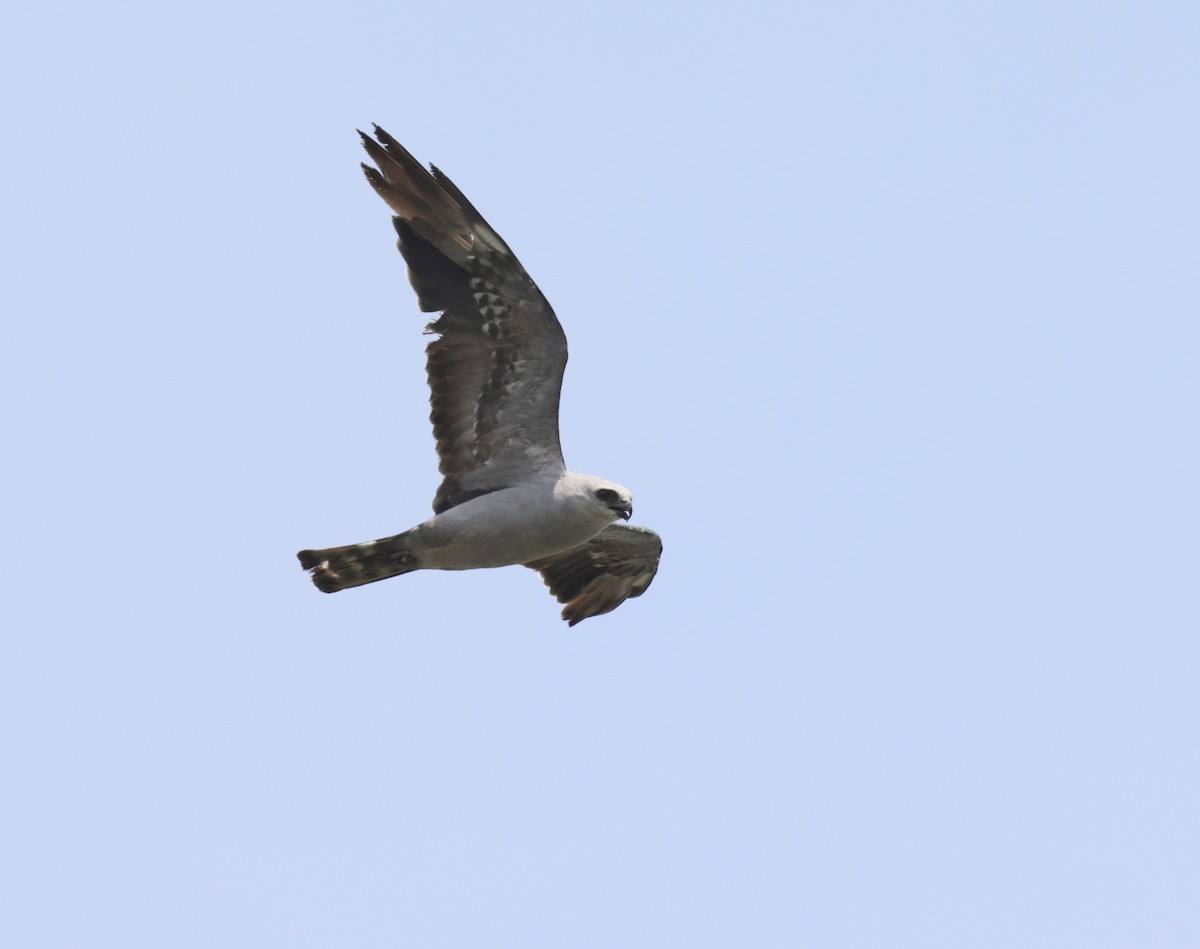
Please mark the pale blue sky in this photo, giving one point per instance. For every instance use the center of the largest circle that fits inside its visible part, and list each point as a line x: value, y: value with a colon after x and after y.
x: 888, y: 315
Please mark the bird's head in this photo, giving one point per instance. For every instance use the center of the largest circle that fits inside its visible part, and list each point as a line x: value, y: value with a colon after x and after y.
x: 607, y: 500
x: 616, y: 499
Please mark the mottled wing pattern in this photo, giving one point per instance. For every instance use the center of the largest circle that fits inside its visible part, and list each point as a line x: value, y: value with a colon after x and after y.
x: 599, y: 576
x: 495, y: 370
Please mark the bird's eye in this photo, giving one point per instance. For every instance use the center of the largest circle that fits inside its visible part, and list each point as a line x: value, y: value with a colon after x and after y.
x: 607, y: 495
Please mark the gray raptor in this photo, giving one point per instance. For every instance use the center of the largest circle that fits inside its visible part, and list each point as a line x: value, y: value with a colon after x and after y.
x: 495, y: 371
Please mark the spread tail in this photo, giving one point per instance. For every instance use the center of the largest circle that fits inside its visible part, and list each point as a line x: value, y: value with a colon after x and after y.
x: 339, y: 568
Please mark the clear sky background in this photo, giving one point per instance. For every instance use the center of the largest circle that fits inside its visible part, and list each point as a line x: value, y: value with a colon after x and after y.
x: 888, y: 315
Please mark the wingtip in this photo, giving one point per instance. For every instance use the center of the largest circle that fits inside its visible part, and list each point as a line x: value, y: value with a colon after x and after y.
x: 386, y: 140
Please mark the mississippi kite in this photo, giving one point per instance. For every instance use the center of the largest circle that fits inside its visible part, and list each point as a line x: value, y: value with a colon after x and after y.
x: 495, y: 370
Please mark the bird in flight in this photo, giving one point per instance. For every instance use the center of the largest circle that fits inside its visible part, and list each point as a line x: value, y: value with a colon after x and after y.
x: 495, y: 370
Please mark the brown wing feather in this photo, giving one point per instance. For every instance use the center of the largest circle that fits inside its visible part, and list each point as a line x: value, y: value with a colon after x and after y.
x: 594, y: 578
x: 495, y: 370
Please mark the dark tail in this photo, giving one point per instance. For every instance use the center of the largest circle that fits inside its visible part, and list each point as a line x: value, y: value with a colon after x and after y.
x: 339, y: 568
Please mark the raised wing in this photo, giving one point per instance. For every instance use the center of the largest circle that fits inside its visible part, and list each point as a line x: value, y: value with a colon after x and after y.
x: 495, y: 370
x: 599, y: 576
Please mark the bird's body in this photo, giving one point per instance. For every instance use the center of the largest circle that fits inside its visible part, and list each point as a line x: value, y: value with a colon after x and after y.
x: 495, y: 371
x: 516, y: 525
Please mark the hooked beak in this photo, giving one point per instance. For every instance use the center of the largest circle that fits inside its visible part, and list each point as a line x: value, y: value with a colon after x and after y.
x: 623, y: 511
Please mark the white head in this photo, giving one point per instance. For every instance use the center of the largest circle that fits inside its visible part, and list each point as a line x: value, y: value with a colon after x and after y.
x: 605, y: 500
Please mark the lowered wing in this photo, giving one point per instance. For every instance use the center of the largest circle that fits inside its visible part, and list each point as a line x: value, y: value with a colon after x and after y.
x: 599, y: 576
